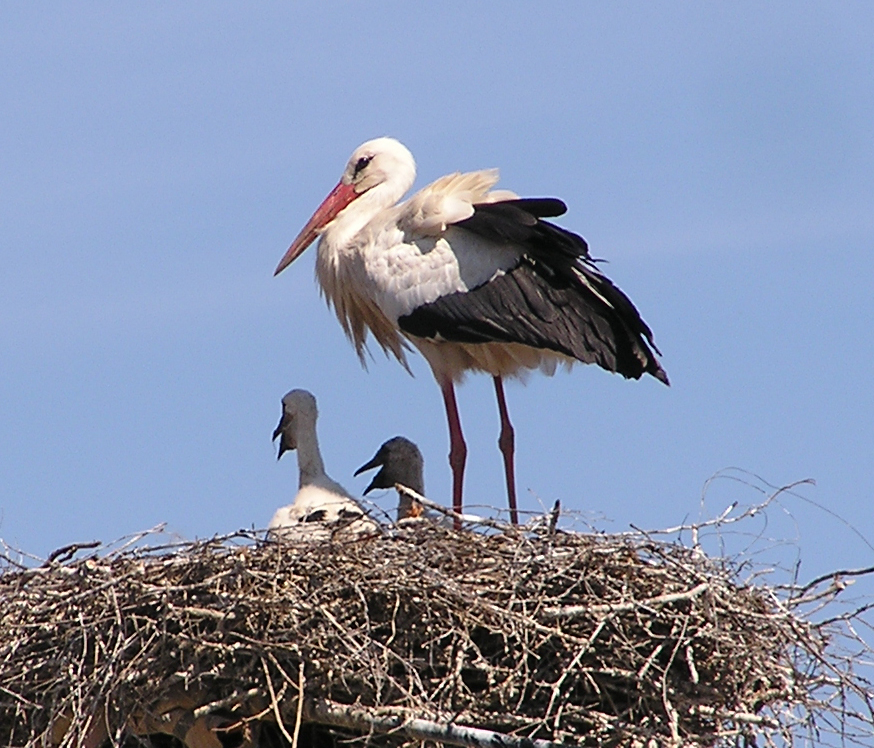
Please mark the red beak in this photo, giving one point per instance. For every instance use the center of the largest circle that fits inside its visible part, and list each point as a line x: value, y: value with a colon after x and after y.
x: 340, y: 197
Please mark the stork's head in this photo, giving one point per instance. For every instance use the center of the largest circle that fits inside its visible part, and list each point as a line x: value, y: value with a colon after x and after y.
x: 382, y: 163
x: 400, y: 461
x: 378, y: 161
x: 298, y: 406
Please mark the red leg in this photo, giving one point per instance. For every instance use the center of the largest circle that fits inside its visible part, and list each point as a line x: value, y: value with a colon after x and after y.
x: 457, y: 447
x: 507, y: 442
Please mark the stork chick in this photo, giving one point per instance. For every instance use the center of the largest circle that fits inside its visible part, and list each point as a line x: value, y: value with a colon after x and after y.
x: 322, y: 509
x: 399, y: 461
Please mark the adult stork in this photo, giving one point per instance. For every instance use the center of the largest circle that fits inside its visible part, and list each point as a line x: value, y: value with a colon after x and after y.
x: 473, y: 277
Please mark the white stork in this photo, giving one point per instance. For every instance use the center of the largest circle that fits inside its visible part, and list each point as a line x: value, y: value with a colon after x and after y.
x: 322, y: 507
x: 399, y: 461
x: 473, y: 277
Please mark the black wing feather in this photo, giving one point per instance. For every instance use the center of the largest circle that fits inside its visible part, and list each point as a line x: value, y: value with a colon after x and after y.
x: 555, y: 298
x: 517, y: 221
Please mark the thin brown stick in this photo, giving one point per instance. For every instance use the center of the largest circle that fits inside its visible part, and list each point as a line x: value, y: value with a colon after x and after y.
x: 298, y: 720
x: 274, y: 702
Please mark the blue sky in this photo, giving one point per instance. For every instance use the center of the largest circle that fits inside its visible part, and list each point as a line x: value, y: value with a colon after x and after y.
x: 157, y: 160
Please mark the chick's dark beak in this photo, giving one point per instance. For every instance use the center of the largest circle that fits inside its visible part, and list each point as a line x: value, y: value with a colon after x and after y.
x: 379, y: 480
x: 375, y: 462
x: 282, y: 432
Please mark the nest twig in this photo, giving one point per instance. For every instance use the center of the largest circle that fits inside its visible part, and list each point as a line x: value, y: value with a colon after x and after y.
x: 582, y: 639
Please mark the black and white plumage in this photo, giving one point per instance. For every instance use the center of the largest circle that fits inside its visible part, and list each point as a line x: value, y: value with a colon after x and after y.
x: 322, y: 508
x: 554, y: 299
x: 475, y: 278
x: 399, y: 461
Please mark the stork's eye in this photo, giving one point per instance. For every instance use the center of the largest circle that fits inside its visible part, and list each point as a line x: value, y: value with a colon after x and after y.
x: 362, y: 162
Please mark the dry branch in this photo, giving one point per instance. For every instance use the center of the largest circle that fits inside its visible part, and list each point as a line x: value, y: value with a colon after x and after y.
x: 425, y: 633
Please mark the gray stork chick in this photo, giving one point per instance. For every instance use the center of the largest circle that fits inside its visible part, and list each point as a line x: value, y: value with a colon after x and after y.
x: 399, y: 461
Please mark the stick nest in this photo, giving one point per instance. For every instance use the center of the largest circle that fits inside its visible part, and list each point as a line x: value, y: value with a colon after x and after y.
x: 582, y: 639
